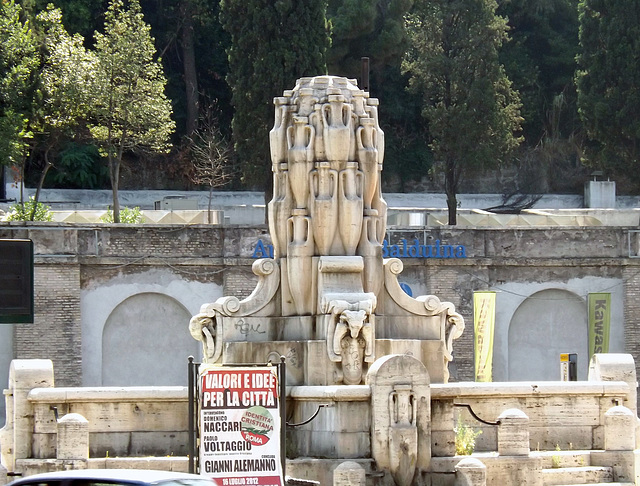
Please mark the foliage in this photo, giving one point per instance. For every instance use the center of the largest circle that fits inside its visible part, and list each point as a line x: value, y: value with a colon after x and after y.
x: 80, y: 166
x: 468, y: 102
x: 64, y: 77
x: 465, y: 439
x: 30, y: 210
x: 540, y: 60
x: 366, y: 28
x: 607, y: 80
x: 130, y: 110
x: 272, y: 44
x: 183, y: 29
x: 127, y: 216
x: 18, y: 68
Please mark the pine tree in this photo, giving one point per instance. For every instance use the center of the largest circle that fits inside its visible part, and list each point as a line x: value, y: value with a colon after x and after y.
x: 468, y: 102
x: 607, y: 80
x: 273, y: 43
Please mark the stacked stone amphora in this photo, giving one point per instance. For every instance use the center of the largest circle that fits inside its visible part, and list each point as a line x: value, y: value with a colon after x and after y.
x: 327, y: 150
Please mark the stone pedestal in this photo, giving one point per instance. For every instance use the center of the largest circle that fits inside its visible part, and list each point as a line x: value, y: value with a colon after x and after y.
x: 349, y: 474
x: 73, y: 437
x: 471, y: 472
x: 513, y: 433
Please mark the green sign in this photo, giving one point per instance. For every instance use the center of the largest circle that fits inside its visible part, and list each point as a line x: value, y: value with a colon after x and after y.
x: 599, y: 322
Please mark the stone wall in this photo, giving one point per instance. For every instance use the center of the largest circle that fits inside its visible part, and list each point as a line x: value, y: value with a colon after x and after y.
x: 196, y: 264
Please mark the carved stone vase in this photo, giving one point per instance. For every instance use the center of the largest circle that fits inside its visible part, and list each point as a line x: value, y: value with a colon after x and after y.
x: 324, y: 206
x: 366, y: 137
x: 306, y: 101
x: 403, y: 435
x: 299, y: 261
x: 371, y: 251
x: 278, y: 134
x: 337, y: 128
x: 372, y: 110
x: 350, y: 201
x: 300, y: 138
x: 317, y: 121
x: 280, y: 209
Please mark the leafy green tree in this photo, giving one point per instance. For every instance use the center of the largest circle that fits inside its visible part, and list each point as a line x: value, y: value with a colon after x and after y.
x: 607, y: 80
x: 66, y: 71
x: 472, y: 111
x: 130, y: 110
x: 19, y: 63
x: 273, y: 43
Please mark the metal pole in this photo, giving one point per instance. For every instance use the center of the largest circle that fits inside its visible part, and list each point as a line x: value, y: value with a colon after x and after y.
x: 282, y: 375
x: 192, y: 428
x: 365, y: 74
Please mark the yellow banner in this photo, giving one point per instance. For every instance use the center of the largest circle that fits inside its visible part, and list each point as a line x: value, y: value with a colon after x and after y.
x: 484, y: 316
x: 599, y: 322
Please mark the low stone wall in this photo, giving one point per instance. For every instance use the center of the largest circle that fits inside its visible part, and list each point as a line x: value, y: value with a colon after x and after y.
x: 147, y: 427
x: 561, y: 415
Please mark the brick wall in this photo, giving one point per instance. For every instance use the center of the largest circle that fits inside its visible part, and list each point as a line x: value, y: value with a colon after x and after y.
x: 56, y: 331
x: 222, y: 254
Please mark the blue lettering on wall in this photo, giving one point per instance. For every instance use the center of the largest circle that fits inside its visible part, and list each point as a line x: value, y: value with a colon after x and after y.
x: 262, y: 250
x: 415, y: 250
x: 402, y: 250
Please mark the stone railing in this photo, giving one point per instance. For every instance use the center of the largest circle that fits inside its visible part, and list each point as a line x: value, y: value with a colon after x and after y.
x: 50, y: 428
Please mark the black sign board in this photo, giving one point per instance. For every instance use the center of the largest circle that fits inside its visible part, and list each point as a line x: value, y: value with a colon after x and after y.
x: 16, y: 281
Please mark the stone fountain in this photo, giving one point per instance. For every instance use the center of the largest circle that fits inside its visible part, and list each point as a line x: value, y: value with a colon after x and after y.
x: 328, y: 301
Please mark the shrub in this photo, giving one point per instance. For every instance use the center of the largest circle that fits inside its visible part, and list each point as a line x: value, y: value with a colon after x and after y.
x: 127, y: 216
x: 22, y: 211
x: 465, y: 439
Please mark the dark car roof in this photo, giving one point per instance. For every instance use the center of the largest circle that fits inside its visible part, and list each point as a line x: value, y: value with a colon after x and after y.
x: 111, y: 475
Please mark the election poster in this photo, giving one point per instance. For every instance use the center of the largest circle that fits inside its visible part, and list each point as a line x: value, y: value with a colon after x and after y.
x: 240, y: 425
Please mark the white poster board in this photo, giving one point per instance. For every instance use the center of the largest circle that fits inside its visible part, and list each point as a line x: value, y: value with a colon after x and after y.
x: 240, y: 425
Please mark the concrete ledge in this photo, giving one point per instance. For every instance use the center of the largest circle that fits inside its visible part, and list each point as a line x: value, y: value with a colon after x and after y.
x: 108, y: 394
x: 525, y: 389
x: 336, y: 393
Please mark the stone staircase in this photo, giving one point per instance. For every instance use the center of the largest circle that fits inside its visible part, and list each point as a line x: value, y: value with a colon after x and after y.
x: 564, y: 468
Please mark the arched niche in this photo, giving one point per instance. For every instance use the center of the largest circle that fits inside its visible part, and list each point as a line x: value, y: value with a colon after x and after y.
x: 146, y: 341
x: 546, y: 324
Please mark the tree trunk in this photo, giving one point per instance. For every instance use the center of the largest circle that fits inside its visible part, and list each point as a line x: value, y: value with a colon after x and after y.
x: 451, y: 190
x: 114, y: 173
x: 209, y: 205
x: 189, y: 66
x: 43, y: 175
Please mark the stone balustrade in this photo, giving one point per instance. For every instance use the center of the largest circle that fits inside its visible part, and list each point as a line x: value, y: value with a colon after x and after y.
x: 147, y: 426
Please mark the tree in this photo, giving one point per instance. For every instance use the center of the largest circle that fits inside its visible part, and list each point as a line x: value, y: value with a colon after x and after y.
x: 18, y: 67
x: 540, y: 60
x: 66, y: 72
x: 210, y: 153
x: 607, y: 80
x: 468, y: 102
x: 130, y: 110
x: 273, y: 43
